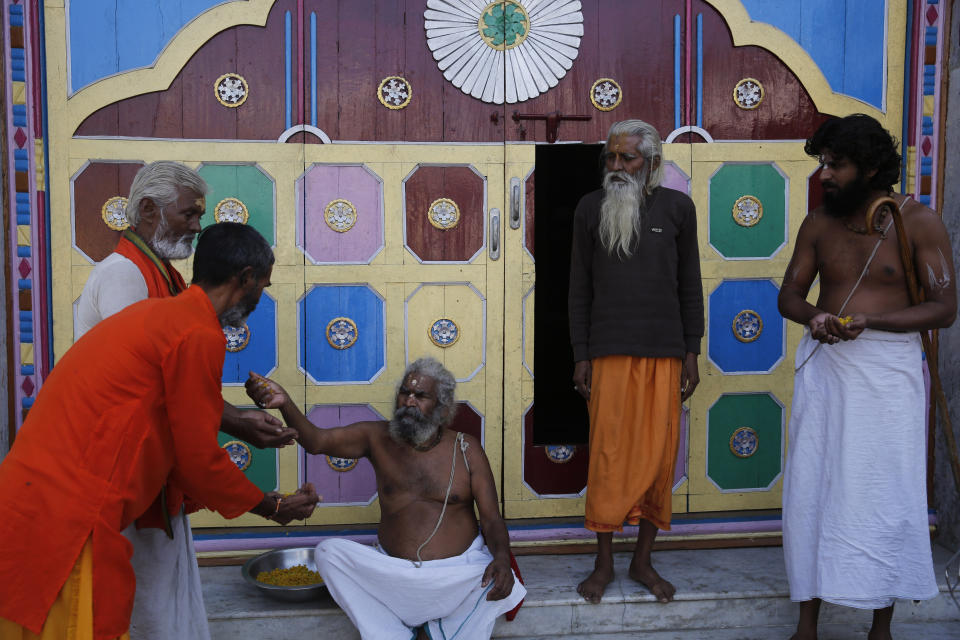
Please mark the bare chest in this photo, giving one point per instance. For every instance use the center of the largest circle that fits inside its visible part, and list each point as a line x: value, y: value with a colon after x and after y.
x: 404, y: 476
x: 842, y: 256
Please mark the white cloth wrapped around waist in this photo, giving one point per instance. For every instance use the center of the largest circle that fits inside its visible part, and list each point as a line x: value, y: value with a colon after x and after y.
x: 387, y: 597
x: 855, y: 523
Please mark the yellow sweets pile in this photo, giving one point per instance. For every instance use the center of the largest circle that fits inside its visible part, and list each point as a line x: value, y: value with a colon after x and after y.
x: 295, y: 576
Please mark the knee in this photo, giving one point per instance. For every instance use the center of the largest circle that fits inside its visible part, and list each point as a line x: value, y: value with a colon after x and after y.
x: 328, y: 552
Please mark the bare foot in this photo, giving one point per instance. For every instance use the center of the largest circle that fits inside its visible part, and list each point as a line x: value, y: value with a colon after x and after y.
x: 661, y: 589
x: 596, y: 583
x: 803, y: 636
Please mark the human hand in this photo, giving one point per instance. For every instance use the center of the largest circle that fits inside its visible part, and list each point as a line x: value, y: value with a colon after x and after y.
x: 846, y: 328
x: 265, y: 392
x: 689, y: 376
x: 501, y: 575
x: 296, y: 506
x: 262, y: 430
x: 818, y: 329
x: 582, y: 375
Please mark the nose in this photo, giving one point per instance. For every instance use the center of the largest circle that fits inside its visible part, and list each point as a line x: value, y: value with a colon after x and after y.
x: 617, y: 164
x: 195, y: 224
x: 409, y: 400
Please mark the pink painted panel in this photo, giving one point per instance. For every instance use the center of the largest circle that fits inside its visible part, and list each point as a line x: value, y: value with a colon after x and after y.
x: 337, y: 487
x: 315, y: 190
x: 674, y: 178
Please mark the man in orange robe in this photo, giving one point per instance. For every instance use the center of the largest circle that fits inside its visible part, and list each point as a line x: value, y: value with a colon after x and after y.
x: 122, y: 413
x: 636, y: 320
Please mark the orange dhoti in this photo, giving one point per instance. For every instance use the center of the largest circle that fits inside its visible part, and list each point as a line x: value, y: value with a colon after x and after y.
x: 634, y: 429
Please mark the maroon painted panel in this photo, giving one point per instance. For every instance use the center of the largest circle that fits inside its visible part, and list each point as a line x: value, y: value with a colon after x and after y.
x: 814, y: 191
x: 97, y: 183
x: 547, y: 477
x: 468, y: 421
x: 465, y: 188
x: 528, y: 214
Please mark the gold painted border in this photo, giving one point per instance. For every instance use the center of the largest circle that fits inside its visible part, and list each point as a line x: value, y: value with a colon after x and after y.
x: 736, y: 210
x: 326, y: 213
x: 573, y: 452
x: 246, y: 90
x: 106, y: 216
x: 243, y: 346
x: 481, y: 26
x: 394, y: 106
x: 733, y: 325
x: 243, y: 207
x: 619, y: 94
x: 245, y: 447
x: 743, y: 82
x: 734, y: 435
x: 441, y: 344
x: 338, y: 469
x: 456, y: 210
x: 356, y: 333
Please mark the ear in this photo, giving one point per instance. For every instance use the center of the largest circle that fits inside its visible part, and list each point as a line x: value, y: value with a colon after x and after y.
x: 655, y: 164
x: 148, y: 210
x: 245, y: 275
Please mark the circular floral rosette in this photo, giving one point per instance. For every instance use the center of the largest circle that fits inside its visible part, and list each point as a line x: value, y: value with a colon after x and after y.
x: 560, y: 453
x: 747, y: 325
x: 443, y: 214
x: 394, y: 92
x: 748, y: 93
x: 237, y: 337
x: 744, y: 442
x: 747, y: 211
x: 239, y: 453
x: 444, y: 332
x: 340, y: 215
x: 606, y: 94
x: 114, y: 213
x: 504, y: 51
x: 231, y: 90
x: 341, y: 333
x: 341, y: 464
x: 231, y: 210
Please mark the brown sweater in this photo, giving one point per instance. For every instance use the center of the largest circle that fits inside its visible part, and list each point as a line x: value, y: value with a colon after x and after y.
x: 649, y: 305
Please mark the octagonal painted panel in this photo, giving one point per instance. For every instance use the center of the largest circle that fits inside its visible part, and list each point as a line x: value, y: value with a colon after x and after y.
x: 443, y: 239
x: 746, y: 334
x: 262, y: 469
x: 342, y: 337
x: 529, y: 217
x: 340, y: 481
x: 748, y: 211
x: 556, y: 470
x: 745, y: 436
x: 260, y: 352
x: 464, y: 310
x: 468, y: 420
x: 814, y: 190
x: 339, y: 214
x: 675, y: 178
x: 249, y: 187
x: 90, y: 189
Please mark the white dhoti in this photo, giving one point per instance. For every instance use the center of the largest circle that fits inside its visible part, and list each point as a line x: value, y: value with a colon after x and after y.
x: 169, y: 600
x: 855, y: 528
x: 387, y: 598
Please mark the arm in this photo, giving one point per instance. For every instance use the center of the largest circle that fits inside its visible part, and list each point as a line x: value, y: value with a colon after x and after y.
x: 580, y: 299
x: 352, y: 441
x: 491, y: 523
x: 690, y: 294
x: 799, y: 277
x: 259, y: 428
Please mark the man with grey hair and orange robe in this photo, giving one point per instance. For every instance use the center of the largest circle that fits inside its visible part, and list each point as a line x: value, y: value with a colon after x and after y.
x: 636, y: 321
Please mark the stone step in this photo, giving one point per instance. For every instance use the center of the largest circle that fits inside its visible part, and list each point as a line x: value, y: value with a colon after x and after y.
x: 722, y: 594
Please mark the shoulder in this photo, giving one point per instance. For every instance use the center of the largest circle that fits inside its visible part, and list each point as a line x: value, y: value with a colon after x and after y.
x: 474, y: 447
x: 672, y: 197
x: 920, y: 219
x: 116, y: 270
x: 590, y: 202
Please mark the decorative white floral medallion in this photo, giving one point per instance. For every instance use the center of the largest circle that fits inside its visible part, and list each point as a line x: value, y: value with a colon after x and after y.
x: 394, y: 92
x: 747, y: 325
x: 560, y: 453
x: 744, y: 442
x: 239, y: 453
x: 341, y: 464
x: 114, y: 213
x: 606, y: 94
x: 747, y: 211
x: 341, y: 333
x: 748, y: 94
x: 444, y: 332
x: 340, y: 215
x: 231, y: 210
x: 443, y: 213
x: 237, y: 337
x: 506, y: 50
x: 231, y: 90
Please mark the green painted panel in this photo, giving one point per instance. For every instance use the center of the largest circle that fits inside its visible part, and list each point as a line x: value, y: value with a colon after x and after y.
x: 761, y: 181
x: 245, y: 183
x: 263, y: 464
x: 763, y: 414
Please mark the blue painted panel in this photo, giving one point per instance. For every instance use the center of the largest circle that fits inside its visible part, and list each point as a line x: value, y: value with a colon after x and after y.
x: 111, y: 36
x: 260, y: 354
x: 845, y: 38
x: 731, y: 355
x: 357, y: 363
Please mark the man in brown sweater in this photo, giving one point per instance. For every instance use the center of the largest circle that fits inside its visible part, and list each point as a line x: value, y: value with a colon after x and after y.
x: 636, y: 320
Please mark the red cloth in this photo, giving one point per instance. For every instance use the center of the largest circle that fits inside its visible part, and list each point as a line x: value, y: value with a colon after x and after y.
x: 136, y: 400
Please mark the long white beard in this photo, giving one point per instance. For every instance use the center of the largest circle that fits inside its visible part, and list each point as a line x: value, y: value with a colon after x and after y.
x: 169, y: 247
x: 620, y: 210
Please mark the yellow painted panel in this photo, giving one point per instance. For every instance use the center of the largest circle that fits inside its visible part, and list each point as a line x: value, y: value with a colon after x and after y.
x: 26, y: 353
x: 19, y: 93
x: 23, y: 235
x: 38, y: 162
x: 457, y: 302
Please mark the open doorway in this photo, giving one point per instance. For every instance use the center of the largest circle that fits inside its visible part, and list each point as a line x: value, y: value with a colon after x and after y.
x: 565, y: 173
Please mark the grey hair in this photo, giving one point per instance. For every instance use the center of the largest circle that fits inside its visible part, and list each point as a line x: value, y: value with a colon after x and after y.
x: 159, y: 181
x: 650, y: 148
x: 446, y: 384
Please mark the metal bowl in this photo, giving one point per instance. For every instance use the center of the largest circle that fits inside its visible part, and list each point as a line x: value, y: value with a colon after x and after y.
x: 283, y: 559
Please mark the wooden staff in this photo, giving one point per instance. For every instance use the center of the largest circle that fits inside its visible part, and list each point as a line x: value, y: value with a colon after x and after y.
x: 916, y: 297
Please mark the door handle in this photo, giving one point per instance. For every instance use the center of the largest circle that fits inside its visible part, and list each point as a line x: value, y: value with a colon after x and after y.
x: 514, y: 203
x: 494, y: 234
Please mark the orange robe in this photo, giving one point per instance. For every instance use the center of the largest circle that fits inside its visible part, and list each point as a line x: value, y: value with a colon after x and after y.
x: 134, y: 402
x: 634, y: 430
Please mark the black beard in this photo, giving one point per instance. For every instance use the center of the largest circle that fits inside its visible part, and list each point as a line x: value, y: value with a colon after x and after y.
x: 236, y: 315
x: 409, y: 425
x: 843, y: 202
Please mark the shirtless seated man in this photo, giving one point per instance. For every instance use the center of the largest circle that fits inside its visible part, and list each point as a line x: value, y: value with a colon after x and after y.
x: 432, y: 570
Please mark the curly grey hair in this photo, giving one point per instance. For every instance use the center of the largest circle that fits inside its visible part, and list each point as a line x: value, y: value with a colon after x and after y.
x: 446, y: 384
x: 159, y: 182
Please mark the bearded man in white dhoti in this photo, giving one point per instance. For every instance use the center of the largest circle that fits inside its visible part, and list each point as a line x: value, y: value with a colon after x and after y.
x: 855, y: 528
x: 433, y: 574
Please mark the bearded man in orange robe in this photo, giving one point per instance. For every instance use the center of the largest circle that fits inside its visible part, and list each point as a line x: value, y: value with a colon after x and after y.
x: 134, y: 404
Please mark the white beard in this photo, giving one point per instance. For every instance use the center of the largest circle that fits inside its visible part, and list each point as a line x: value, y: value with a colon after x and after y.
x: 620, y: 210
x: 168, y: 247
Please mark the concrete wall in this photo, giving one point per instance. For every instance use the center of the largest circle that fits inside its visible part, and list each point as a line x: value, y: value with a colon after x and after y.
x: 946, y: 499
